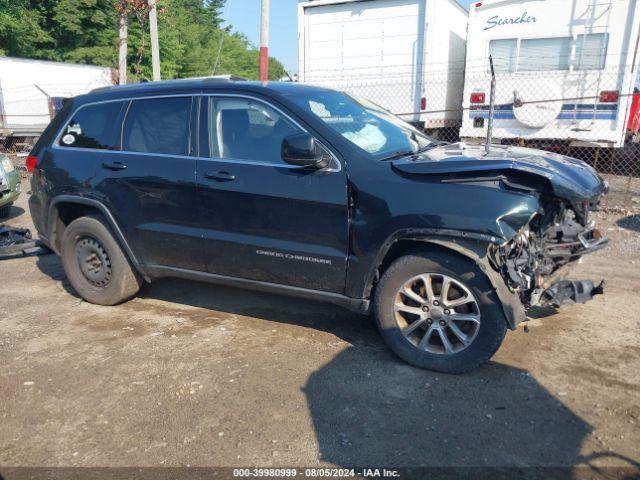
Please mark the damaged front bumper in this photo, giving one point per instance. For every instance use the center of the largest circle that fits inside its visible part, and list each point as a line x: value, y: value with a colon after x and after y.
x: 587, y: 241
x: 560, y: 291
x: 535, y: 264
x: 566, y: 292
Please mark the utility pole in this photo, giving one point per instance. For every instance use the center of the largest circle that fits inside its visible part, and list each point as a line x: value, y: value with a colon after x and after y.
x: 155, y: 48
x: 122, y: 49
x: 264, y: 42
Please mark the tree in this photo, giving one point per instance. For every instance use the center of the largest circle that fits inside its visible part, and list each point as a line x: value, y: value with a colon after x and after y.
x: 214, y: 9
x: 88, y: 31
x: 21, y: 29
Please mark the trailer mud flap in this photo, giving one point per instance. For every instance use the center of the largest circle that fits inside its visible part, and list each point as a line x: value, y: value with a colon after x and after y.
x: 17, y: 242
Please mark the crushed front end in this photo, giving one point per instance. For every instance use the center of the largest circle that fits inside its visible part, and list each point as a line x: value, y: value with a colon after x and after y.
x: 536, y: 262
x: 534, y: 205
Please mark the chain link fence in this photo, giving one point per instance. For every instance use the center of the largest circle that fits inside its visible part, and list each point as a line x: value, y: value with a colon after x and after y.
x: 17, y: 149
x: 582, y: 114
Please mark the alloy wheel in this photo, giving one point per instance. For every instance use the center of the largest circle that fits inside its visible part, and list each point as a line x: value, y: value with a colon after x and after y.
x: 437, y: 313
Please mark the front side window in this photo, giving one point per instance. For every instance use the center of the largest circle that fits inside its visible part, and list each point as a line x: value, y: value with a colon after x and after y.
x: 543, y: 54
x: 364, y: 124
x: 158, y: 125
x: 245, y: 129
x: 591, y: 51
x: 504, y: 54
x: 94, y: 127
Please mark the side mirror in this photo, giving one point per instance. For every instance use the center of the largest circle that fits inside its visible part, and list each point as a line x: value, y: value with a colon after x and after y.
x: 302, y: 150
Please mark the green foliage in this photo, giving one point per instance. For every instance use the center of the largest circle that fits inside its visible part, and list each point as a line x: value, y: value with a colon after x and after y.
x: 21, y: 28
x: 86, y: 31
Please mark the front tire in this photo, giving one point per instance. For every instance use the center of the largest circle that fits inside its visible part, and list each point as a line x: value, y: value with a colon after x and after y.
x: 95, y: 265
x: 438, y: 311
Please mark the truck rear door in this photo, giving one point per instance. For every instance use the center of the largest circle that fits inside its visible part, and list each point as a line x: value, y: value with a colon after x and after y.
x: 371, y: 49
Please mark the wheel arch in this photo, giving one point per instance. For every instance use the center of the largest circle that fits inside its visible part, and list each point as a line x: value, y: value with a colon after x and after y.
x: 468, y: 246
x: 64, y: 209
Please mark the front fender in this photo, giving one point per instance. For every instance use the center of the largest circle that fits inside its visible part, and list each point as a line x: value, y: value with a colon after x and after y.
x: 474, y: 248
x: 512, y: 307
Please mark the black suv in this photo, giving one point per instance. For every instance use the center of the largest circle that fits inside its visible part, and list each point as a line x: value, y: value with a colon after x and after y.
x: 311, y: 192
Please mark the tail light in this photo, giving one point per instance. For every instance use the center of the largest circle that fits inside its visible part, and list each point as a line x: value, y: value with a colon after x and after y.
x: 478, y: 97
x: 609, y: 96
x: 423, y: 103
x: 31, y: 163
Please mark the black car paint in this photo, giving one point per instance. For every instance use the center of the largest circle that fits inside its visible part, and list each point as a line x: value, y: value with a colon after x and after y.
x: 258, y: 224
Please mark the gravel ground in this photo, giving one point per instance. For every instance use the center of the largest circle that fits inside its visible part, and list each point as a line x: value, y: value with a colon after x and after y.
x: 624, y: 196
x: 193, y: 374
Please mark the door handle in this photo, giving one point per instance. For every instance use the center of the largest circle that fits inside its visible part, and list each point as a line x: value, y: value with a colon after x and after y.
x: 114, y: 166
x: 220, y: 176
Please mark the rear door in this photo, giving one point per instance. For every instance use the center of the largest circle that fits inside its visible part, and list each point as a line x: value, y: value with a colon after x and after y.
x: 263, y: 219
x: 149, y: 185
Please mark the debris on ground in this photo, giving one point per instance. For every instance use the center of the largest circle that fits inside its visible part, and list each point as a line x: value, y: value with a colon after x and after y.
x: 18, y: 242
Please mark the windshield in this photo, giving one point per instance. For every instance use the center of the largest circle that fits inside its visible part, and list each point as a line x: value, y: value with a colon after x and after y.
x: 364, y: 124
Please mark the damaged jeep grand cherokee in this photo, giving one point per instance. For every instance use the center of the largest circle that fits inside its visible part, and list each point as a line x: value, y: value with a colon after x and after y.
x: 311, y: 192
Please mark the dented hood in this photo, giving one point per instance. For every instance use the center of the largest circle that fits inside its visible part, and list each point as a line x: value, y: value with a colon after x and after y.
x: 569, y: 178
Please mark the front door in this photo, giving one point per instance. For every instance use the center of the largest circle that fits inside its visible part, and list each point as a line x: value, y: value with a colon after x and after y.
x: 263, y: 219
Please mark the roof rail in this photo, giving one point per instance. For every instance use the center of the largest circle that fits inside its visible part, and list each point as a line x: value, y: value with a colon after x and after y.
x: 215, y: 78
x: 230, y: 78
x: 102, y: 89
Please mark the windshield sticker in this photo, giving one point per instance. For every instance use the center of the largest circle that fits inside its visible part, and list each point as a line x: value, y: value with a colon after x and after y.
x: 74, y: 129
x: 496, y: 21
x: 68, y: 139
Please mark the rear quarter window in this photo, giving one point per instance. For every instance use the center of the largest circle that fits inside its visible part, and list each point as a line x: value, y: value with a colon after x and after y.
x: 94, y: 127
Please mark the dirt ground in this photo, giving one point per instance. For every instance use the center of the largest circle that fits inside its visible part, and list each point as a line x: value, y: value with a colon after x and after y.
x: 198, y: 375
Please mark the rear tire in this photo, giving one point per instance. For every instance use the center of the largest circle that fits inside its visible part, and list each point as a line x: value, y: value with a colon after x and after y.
x: 472, y: 331
x: 95, y: 264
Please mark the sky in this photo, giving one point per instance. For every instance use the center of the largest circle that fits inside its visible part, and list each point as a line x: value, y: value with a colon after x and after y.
x: 244, y: 17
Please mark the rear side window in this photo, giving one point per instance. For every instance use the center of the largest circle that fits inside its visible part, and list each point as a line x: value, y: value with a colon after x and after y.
x: 158, y: 125
x: 94, y: 127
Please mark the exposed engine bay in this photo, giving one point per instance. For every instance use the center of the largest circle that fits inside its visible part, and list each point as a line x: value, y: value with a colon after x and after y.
x: 535, y: 262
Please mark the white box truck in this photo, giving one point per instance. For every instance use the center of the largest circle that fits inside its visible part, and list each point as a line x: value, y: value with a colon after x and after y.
x: 31, y: 91
x: 565, y: 70
x: 405, y: 55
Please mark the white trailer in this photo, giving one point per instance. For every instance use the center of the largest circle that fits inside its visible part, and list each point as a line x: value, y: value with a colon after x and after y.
x: 31, y: 91
x: 405, y: 55
x: 565, y: 70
